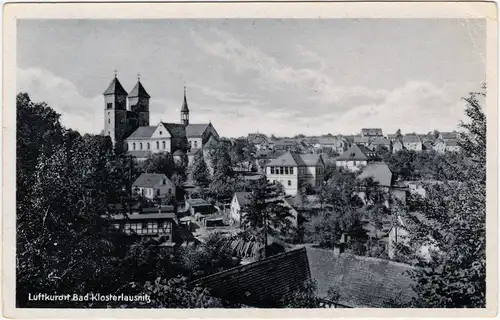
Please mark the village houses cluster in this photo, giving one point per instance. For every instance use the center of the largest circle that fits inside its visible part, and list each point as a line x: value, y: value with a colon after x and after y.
x: 293, y: 163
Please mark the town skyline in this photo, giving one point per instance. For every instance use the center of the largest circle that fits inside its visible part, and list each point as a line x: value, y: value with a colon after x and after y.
x: 241, y: 81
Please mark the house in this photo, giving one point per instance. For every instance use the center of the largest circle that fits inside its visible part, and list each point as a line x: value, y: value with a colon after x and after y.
x: 360, y: 282
x: 452, y: 146
x: 264, y: 283
x: 337, y: 144
x: 412, y: 142
x: 372, y: 133
x: 259, y: 140
x: 159, y: 225
x: 360, y: 140
x: 153, y: 185
x: 397, y: 145
x: 381, y: 142
x: 355, y: 157
x: 448, y: 135
x: 285, y: 145
x: 201, y: 206
x: 439, y: 145
x: 293, y: 170
x: 238, y: 203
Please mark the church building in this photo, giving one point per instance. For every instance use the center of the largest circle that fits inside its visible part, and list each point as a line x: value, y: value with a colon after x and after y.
x: 129, y: 127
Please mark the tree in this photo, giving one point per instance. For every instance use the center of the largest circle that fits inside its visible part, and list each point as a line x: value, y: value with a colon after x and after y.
x: 265, y: 213
x: 160, y: 162
x: 201, y: 175
x: 451, y: 223
x: 382, y: 152
x: 398, y: 134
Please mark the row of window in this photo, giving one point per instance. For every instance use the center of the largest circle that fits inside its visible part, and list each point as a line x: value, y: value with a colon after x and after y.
x: 148, y: 145
x: 282, y: 170
x: 147, y: 227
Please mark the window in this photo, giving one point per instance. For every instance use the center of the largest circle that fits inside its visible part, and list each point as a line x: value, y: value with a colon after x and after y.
x: 161, y: 132
x: 272, y: 170
x: 291, y: 170
x: 281, y: 170
x: 169, y: 191
x: 286, y: 170
x: 158, y: 192
x: 109, y: 133
x: 196, y: 144
x: 289, y: 182
x: 109, y: 105
x: 148, y: 146
x: 133, y: 146
x: 164, y: 181
x: 140, y: 146
x: 163, y: 144
x: 109, y: 120
x: 157, y: 144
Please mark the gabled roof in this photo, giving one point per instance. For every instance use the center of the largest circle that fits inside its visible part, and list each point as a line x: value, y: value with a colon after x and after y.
x: 143, y: 132
x: 411, y: 138
x: 149, y: 180
x: 382, y: 141
x: 361, y: 282
x: 288, y: 159
x: 176, y: 130
x: 138, y: 91
x: 332, y: 141
x: 358, y: 139
x: 196, y: 129
x: 379, y: 171
x: 311, y: 159
x: 116, y: 88
x: 263, y: 283
x: 371, y: 131
x: 243, y: 198
x: 357, y: 152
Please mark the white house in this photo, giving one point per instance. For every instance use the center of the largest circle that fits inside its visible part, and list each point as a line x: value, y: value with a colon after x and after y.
x: 240, y: 199
x: 355, y: 157
x: 151, y: 185
x: 412, y: 142
x: 294, y: 170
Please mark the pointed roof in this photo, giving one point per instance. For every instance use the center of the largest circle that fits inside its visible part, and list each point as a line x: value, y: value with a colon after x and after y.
x: 139, y: 91
x: 379, y: 171
x: 358, y: 153
x: 185, y: 104
x: 115, y: 87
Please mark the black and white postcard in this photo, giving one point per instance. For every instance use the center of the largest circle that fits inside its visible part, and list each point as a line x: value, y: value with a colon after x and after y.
x: 289, y: 159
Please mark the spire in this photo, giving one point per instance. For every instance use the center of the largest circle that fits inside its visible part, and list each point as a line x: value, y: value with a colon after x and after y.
x: 184, y: 108
x: 138, y: 90
x: 115, y: 87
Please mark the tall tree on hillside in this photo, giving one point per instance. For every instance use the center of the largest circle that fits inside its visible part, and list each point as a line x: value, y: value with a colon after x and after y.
x: 452, y: 224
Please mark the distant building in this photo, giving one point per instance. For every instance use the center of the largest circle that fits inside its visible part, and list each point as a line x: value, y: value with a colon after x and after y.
x: 338, y: 144
x: 153, y: 185
x: 397, y: 145
x: 294, y: 170
x: 130, y: 128
x: 356, y: 157
x: 452, y: 146
x: 372, y: 133
x: 360, y: 140
x: 412, y: 142
x: 259, y: 140
x: 381, y: 142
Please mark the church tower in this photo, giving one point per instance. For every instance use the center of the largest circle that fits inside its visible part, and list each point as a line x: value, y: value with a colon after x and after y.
x: 138, y: 100
x: 115, y: 111
x: 185, y: 110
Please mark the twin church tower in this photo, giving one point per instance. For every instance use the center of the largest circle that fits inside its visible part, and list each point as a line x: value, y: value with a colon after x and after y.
x: 120, y: 121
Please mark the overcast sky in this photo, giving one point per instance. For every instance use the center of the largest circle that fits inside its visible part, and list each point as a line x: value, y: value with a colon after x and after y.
x: 281, y: 77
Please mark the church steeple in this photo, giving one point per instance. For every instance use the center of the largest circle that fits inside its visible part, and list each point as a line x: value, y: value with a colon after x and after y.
x: 138, y: 100
x: 185, y: 110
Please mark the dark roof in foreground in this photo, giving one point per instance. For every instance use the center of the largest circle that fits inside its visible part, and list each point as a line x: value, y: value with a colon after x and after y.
x: 361, y: 282
x: 379, y: 171
x: 262, y: 283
